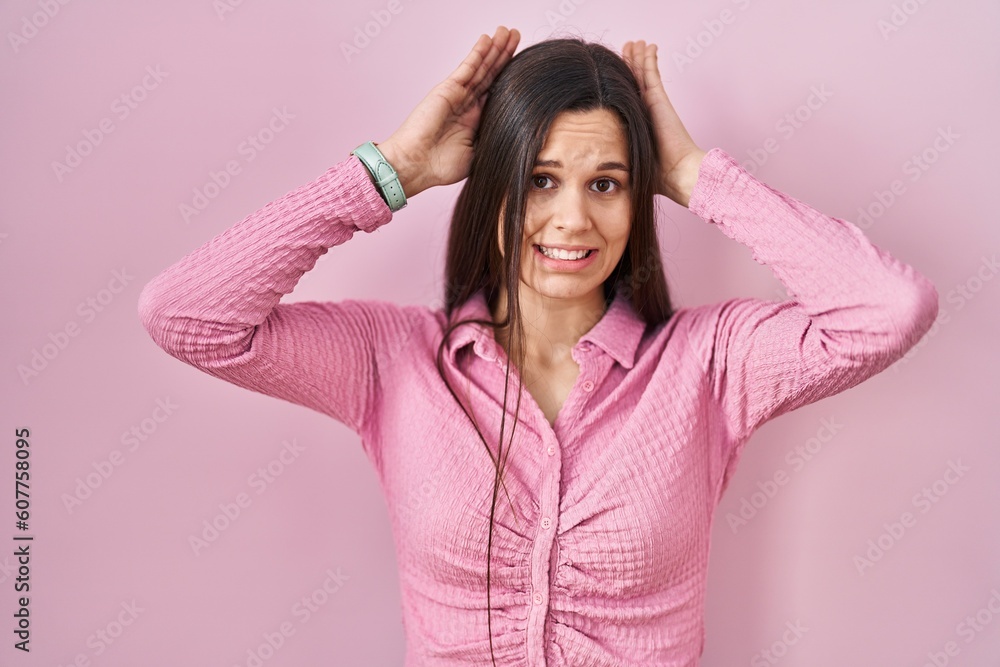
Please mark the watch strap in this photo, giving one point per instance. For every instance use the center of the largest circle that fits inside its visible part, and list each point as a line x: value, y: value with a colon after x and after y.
x: 383, y: 174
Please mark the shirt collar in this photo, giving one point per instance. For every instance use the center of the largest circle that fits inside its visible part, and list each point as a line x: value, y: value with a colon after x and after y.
x: 617, y: 333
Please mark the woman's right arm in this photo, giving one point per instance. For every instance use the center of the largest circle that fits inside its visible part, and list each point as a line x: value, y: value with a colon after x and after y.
x: 217, y: 308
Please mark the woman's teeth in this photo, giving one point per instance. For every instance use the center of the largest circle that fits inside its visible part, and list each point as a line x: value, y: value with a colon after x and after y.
x: 556, y: 253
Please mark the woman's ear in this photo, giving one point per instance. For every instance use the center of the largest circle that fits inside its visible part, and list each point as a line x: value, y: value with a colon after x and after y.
x: 500, y: 232
x: 503, y: 209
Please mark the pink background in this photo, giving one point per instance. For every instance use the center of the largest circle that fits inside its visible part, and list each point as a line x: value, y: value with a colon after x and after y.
x: 63, y: 237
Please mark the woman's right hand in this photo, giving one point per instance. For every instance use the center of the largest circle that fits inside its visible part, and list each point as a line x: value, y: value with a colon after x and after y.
x: 433, y: 146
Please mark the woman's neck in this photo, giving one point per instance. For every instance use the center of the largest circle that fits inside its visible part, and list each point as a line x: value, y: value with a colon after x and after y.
x: 552, y: 326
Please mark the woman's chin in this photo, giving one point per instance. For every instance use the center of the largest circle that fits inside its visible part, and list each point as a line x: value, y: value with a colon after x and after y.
x: 570, y: 288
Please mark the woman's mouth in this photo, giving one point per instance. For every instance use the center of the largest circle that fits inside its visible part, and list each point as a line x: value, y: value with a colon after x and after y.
x: 565, y: 260
x: 566, y: 255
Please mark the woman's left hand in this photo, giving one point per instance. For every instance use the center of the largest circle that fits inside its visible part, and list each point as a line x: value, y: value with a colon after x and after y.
x: 680, y: 157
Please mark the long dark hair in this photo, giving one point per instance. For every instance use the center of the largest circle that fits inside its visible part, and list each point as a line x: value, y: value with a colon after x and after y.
x: 538, y: 84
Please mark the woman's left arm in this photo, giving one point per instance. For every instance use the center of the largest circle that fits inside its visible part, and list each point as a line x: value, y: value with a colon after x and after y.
x: 854, y: 309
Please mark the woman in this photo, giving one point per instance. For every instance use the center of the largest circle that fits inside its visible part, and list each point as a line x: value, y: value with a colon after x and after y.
x: 634, y: 415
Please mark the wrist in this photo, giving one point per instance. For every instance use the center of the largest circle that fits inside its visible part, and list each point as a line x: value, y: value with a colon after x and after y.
x: 680, y: 181
x: 410, y: 176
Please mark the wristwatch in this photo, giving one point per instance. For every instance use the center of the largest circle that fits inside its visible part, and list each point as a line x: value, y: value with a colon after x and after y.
x: 383, y: 174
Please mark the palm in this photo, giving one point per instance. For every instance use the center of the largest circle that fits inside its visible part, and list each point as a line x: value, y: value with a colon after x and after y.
x: 679, y: 154
x: 437, y: 135
x: 451, y: 109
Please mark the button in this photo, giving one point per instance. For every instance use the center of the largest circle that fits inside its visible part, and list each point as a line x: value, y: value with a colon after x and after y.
x: 546, y: 522
x: 588, y: 386
x: 551, y: 450
x: 538, y: 598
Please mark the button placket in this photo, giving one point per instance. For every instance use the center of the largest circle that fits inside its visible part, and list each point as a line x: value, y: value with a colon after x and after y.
x: 543, y: 549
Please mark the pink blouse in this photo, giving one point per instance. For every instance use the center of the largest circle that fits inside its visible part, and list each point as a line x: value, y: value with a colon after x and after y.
x: 601, y: 540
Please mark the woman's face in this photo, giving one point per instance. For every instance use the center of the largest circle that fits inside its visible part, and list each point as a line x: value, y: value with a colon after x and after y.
x: 578, y: 198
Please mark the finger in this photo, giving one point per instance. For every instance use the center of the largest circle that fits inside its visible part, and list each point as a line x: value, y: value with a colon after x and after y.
x: 512, y: 41
x: 652, y: 67
x: 499, y: 39
x: 504, y: 56
x: 640, y: 62
x: 506, y: 43
x: 513, y: 38
x: 467, y: 69
x: 628, y: 52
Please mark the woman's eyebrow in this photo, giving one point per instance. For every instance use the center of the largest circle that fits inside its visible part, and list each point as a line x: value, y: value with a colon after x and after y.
x: 604, y: 166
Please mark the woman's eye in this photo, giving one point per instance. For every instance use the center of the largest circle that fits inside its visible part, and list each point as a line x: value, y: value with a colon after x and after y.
x: 539, y: 181
x: 605, y: 185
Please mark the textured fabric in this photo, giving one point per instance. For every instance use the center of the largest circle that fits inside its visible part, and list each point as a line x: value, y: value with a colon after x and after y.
x: 601, y: 536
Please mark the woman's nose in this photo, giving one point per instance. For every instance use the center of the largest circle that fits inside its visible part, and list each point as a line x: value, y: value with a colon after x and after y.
x: 571, y: 210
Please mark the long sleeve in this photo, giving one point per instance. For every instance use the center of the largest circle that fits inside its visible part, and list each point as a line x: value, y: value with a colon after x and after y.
x: 853, y: 310
x: 217, y: 308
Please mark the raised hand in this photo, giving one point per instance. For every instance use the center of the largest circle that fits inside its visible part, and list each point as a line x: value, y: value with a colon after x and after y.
x: 433, y: 146
x: 680, y: 157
